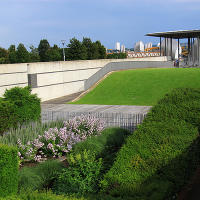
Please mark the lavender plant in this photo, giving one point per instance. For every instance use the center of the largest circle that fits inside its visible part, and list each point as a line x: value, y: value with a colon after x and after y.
x: 57, y: 142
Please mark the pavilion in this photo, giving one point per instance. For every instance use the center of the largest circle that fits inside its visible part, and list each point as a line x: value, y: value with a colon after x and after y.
x: 193, y: 38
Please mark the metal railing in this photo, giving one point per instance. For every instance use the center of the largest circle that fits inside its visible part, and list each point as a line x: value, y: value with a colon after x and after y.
x: 127, y: 121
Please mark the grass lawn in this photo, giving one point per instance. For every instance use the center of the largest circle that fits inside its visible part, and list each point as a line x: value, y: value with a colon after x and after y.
x: 141, y: 86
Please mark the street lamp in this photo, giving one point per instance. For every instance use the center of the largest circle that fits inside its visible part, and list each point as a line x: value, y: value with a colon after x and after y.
x: 63, y: 43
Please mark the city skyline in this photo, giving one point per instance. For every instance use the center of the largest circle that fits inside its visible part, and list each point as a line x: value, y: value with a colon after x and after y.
x: 127, y: 21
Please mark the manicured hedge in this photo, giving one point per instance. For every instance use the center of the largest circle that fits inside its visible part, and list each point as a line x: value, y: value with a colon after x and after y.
x: 8, y: 170
x: 17, y: 107
x: 161, y: 154
x: 27, y: 105
x: 7, y: 115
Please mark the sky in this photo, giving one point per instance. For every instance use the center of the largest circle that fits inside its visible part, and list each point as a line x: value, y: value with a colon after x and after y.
x: 110, y: 21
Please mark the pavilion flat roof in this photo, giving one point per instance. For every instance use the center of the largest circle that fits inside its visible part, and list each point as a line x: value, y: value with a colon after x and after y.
x: 177, y: 34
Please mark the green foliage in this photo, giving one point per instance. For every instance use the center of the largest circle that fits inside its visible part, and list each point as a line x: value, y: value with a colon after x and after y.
x: 12, y: 54
x: 3, y: 56
x: 104, y: 146
x: 117, y: 56
x: 39, y: 177
x: 82, y: 174
x: 27, y: 132
x: 22, y: 54
x: 101, y: 50
x: 8, y: 170
x: 92, y: 49
x: 8, y: 116
x: 27, y: 105
x: 42, y: 49
x: 38, y: 195
x: 76, y: 51
x: 140, y: 87
x: 160, y: 156
x: 54, y: 54
x: 34, y: 54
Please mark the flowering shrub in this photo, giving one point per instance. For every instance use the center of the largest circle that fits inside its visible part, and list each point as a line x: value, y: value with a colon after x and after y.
x: 55, y: 143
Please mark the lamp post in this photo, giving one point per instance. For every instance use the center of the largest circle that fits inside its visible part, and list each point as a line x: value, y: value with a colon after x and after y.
x: 63, y: 43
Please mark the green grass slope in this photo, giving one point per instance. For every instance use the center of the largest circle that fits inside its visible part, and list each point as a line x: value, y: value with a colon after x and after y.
x: 141, y: 87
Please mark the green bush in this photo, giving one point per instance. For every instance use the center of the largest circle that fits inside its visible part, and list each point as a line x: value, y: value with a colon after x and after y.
x: 160, y: 156
x: 8, y: 116
x: 27, y: 105
x: 104, y: 146
x: 35, y: 195
x: 81, y: 176
x: 8, y: 170
x: 39, y: 177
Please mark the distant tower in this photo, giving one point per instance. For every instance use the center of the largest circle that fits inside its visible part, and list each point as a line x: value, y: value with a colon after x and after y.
x: 139, y: 46
x: 123, y: 48
x: 117, y: 46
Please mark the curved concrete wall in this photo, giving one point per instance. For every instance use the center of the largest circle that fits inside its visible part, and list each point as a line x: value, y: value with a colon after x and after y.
x: 56, y: 79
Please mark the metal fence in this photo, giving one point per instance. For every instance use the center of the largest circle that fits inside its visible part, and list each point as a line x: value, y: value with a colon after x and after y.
x: 127, y: 121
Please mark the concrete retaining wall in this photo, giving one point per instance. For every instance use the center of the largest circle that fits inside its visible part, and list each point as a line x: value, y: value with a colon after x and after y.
x: 12, y: 75
x: 56, y: 79
x: 115, y: 66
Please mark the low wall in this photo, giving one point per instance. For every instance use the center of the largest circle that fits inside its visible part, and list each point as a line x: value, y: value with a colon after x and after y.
x: 115, y: 66
x: 51, y: 80
x: 12, y: 75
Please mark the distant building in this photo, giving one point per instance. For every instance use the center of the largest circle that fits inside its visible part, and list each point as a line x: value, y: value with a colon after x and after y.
x: 123, y: 49
x: 117, y: 46
x: 139, y: 46
x: 148, y: 45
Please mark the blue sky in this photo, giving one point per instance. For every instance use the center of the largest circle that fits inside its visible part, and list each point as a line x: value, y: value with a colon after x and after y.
x: 126, y: 21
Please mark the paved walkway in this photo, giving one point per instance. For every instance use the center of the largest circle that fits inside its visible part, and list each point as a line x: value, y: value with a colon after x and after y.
x: 63, y: 99
x: 125, y: 109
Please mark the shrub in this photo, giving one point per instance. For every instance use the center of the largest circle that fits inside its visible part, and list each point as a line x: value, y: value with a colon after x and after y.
x: 82, y: 174
x: 160, y: 156
x: 56, y: 143
x: 105, y: 145
x: 27, y: 105
x: 27, y: 132
x: 8, y: 170
x: 7, y: 115
x: 39, y: 177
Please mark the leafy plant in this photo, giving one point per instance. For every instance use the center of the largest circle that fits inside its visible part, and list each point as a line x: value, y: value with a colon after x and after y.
x: 55, y: 143
x: 82, y: 174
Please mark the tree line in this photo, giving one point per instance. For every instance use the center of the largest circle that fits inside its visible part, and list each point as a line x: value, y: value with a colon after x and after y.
x: 76, y: 50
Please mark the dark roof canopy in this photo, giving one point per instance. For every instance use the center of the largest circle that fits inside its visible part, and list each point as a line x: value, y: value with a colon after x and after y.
x: 177, y: 34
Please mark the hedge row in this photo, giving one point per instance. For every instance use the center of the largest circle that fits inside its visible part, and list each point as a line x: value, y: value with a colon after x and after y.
x: 160, y: 156
x: 17, y: 107
x: 8, y: 170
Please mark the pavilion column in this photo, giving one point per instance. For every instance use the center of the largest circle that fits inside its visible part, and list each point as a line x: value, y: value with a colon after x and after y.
x: 160, y: 46
x: 178, y: 51
x: 171, y: 47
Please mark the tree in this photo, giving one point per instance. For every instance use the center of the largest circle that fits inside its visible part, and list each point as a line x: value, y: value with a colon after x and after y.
x: 92, y: 49
x: 12, y: 54
x: 22, y: 54
x: 34, y: 54
x: 42, y: 49
x: 76, y: 51
x: 3, y: 56
x: 101, y: 50
x: 53, y: 53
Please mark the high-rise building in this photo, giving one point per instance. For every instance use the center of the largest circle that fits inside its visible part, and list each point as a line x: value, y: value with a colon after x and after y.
x: 117, y: 46
x: 139, y: 46
x: 123, y: 48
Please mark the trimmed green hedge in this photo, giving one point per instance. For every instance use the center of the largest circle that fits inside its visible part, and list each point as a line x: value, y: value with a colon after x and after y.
x: 17, y: 107
x: 7, y: 115
x: 8, y: 170
x: 27, y: 105
x: 161, y: 154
